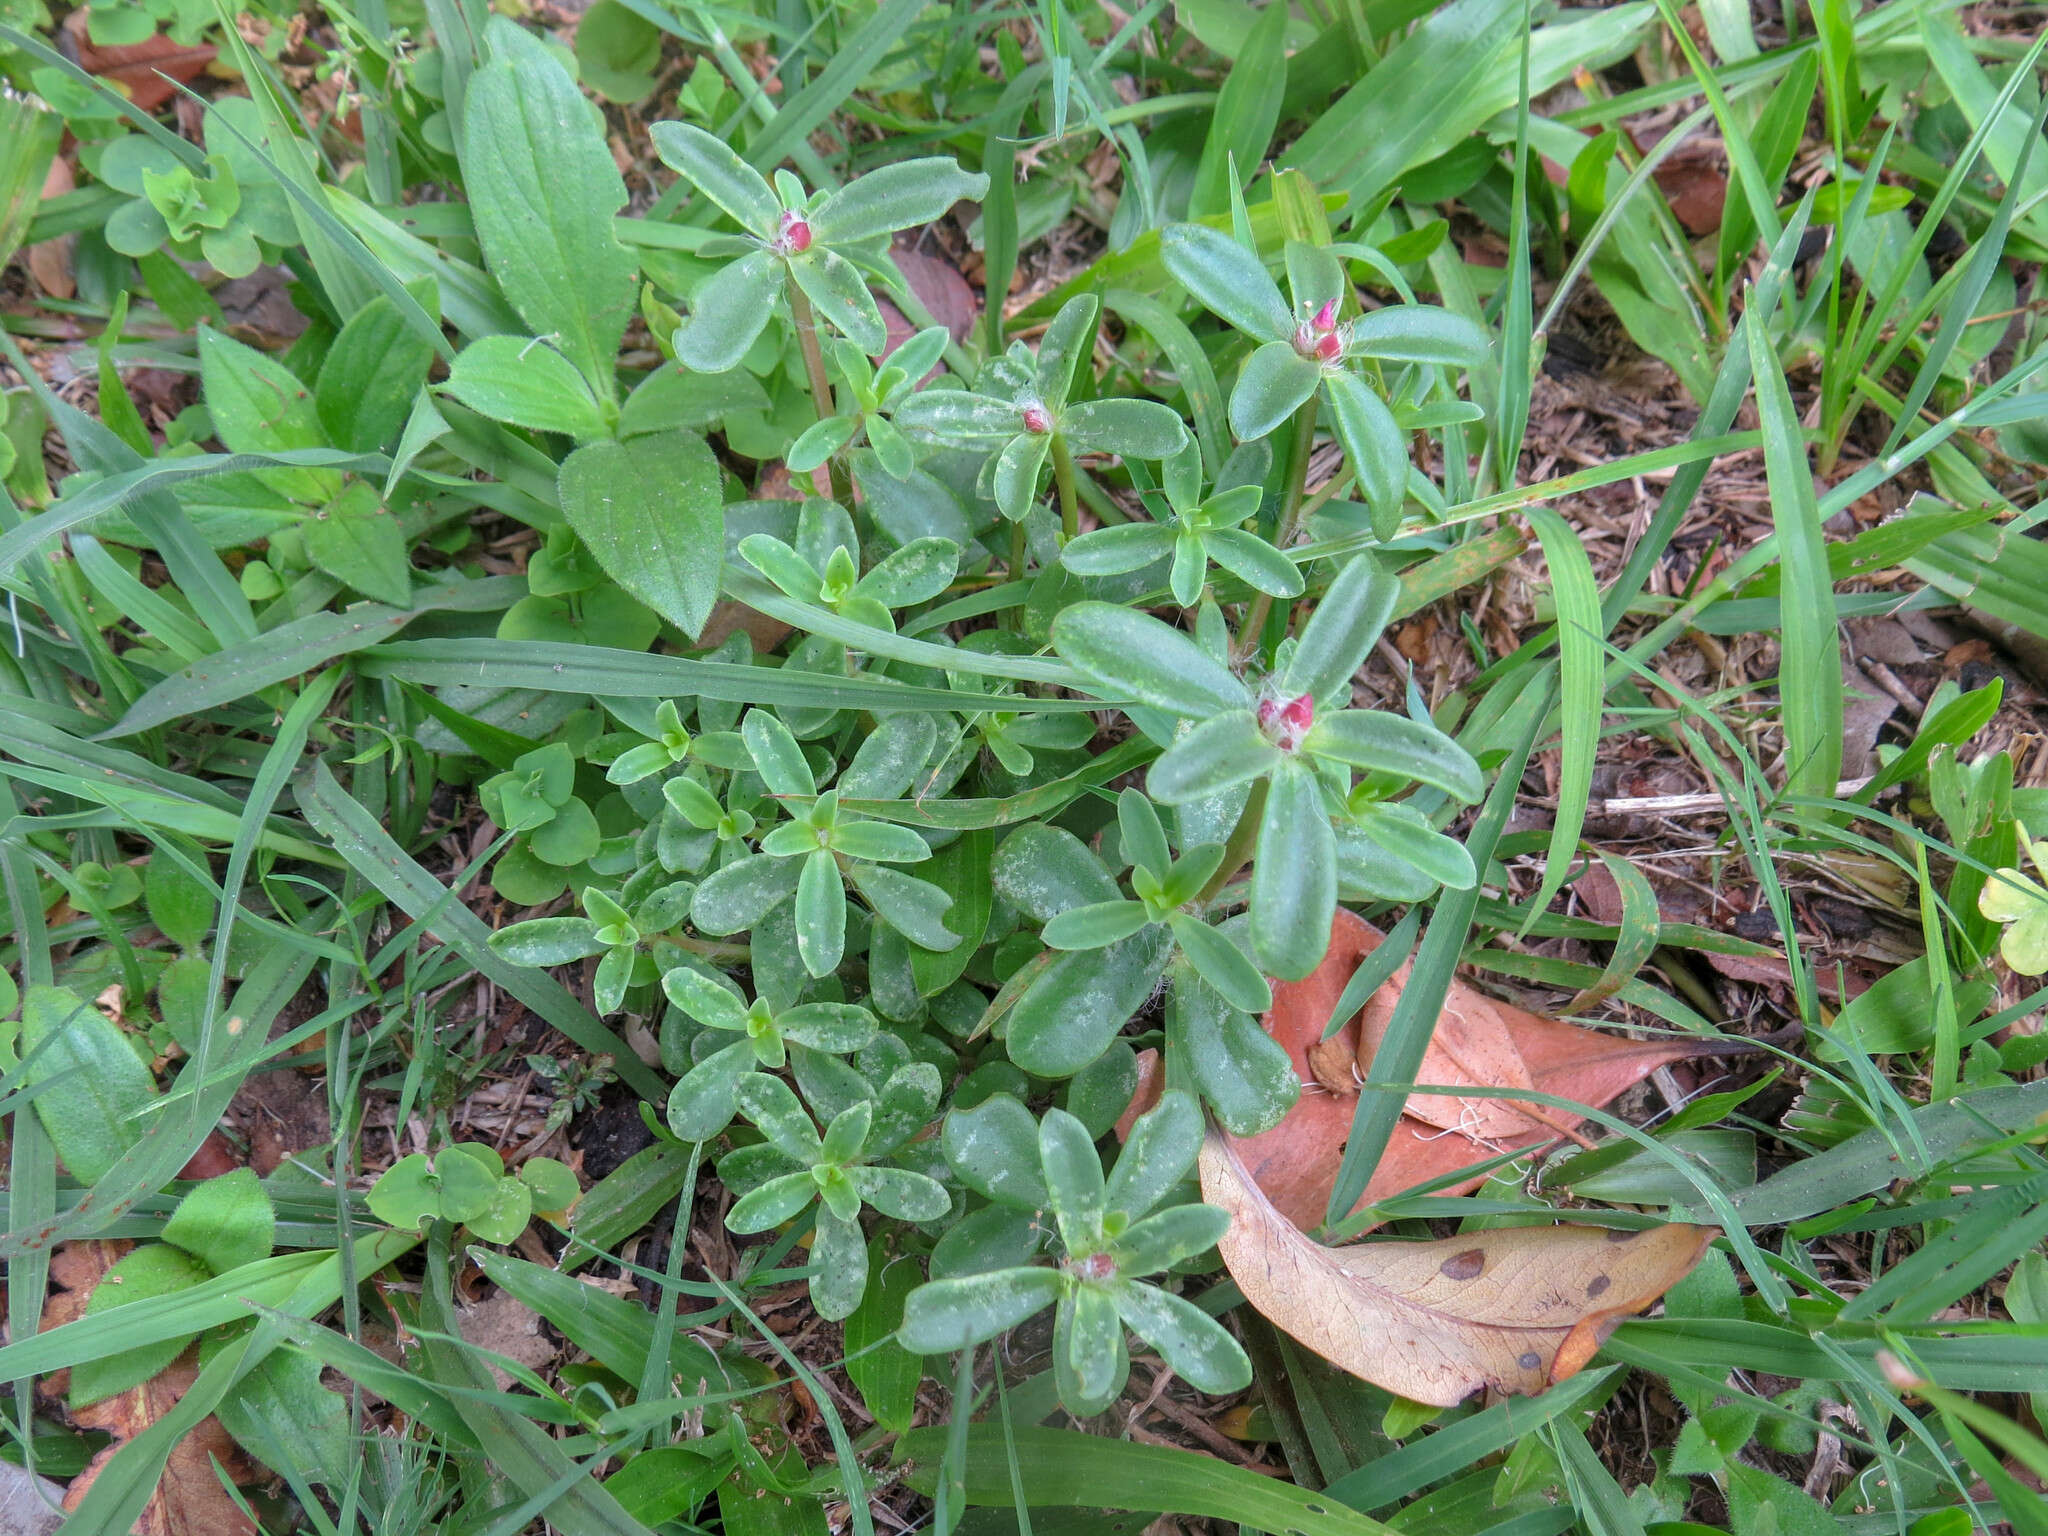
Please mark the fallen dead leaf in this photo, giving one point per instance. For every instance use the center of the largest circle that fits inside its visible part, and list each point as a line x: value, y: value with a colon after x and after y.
x: 138, y: 70
x: 49, y: 261
x: 1479, y: 1043
x: 1697, y: 194
x: 1517, y: 1309
x: 215, y: 1157
x: 188, y: 1499
x: 506, y: 1326
x: 29, y: 1505
x: 939, y: 287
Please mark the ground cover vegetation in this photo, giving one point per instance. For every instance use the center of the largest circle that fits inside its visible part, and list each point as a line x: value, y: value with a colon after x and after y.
x: 794, y: 768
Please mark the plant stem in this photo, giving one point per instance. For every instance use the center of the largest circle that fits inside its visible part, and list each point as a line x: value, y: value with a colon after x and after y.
x: 1290, y: 521
x: 1020, y: 550
x: 821, y: 385
x: 1244, y: 837
x: 1063, y: 475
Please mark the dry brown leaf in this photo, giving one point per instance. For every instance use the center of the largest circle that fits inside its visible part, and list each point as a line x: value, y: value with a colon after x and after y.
x: 939, y: 287
x: 188, y: 1499
x: 49, y: 261
x: 137, y: 70
x: 1517, y: 1310
x: 1479, y: 1042
x: 506, y: 1326
x: 215, y: 1157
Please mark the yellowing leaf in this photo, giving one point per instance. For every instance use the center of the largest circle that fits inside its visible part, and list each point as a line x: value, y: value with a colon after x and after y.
x: 2021, y: 904
x: 1518, y: 1309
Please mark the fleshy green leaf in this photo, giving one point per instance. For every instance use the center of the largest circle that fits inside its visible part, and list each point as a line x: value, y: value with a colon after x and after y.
x: 946, y: 1315
x: 1338, y: 636
x: 1073, y: 1175
x: 773, y: 1107
x: 1372, y: 443
x: 1117, y: 549
x: 1095, y: 927
x: 713, y: 167
x: 1222, y: 964
x: 1294, y: 876
x: 1214, y: 756
x: 992, y: 1148
x: 892, y: 197
x: 777, y: 757
x: 1092, y: 1351
x: 1159, y: 1154
x: 900, y: 1193
x: 1406, y: 833
x: 547, y: 941
x: 1187, y: 1338
x: 1067, y: 341
x: 1274, y: 383
x: 702, y: 1103
x: 1417, y: 333
x: 1253, y: 561
x: 840, y: 294
x: 1387, y: 743
x: 772, y: 1203
x: 955, y: 416
x: 709, y: 1002
x: 741, y: 894
x: 1171, y: 1237
x: 1226, y: 278
x: 1134, y: 655
x: 1134, y: 429
x: 820, y: 914
x: 728, y: 312
x: 1018, y: 467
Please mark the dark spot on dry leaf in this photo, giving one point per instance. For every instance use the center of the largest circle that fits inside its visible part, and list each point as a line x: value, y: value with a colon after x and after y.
x: 1530, y: 1361
x: 1597, y: 1285
x: 1464, y: 1266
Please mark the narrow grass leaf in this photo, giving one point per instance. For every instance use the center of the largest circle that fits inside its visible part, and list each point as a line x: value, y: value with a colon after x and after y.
x: 1066, y: 1467
x: 301, y: 646
x: 1810, y: 663
x: 1582, y: 683
x: 1400, y: 1052
x: 358, y: 837
x: 1635, y: 940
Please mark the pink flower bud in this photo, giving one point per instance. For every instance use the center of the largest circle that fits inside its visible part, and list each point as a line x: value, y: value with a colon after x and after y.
x: 795, y: 237
x: 1286, y: 723
x: 1326, y: 317
x: 1037, y: 419
x: 1304, y: 341
x: 1097, y: 1266
x: 1329, y: 347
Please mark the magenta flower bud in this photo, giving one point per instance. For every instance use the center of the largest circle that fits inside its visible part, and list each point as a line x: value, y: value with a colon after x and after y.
x: 1329, y: 347
x: 1304, y: 341
x: 795, y: 237
x: 1037, y: 419
x: 1286, y: 722
x: 1326, y: 317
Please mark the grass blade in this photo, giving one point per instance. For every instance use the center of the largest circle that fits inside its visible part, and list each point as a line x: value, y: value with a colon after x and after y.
x: 1810, y: 663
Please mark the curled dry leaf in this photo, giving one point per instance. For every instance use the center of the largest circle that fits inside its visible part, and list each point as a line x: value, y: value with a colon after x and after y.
x: 1479, y: 1042
x: 1517, y: 1309
x: 188, y: 1499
